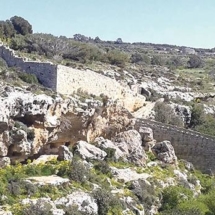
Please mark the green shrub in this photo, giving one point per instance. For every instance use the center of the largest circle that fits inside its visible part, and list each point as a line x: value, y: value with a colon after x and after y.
x: 157, y: 60
x: 145, y: 193
x: 165, y: 114
x: 77, y: 171
x: 194, y: 61
x: 103, y: 167
x: 173, y: 196
x: 115, y: 57
x: 106, y: 201
x: 28, y: 78
x: 110, y: 154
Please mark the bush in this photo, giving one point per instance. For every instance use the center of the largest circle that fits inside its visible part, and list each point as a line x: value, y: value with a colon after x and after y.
x: 110, y: 154
x: 194, y: 61
x: 145, y: 193
x: 77, y: 171
x: 118, y: 58
x: 106, y: 201
x: 28, y: 78
x: 165, y: 114
x: 174, y: 62
x: 173, y: 196
x: 104, y: 168
x: 157, y: 60
x: 140, y: 58
x: 22, y: 126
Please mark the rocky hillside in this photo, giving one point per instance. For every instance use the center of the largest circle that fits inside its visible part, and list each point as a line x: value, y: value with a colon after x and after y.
x: 80, y: 155
x: 89, y: 153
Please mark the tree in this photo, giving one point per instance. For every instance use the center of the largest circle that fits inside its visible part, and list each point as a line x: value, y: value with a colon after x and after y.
x: 164, y: 113
x: 197, y: 115
x: 174, y: 62
x: 194, y: 61
x: 157, y: 60
x: 119, y: 41
x: 117, y: 57
x: 21, y: 25
x: 6, y: 29
x: 9, y: 30
x: 140, y: 58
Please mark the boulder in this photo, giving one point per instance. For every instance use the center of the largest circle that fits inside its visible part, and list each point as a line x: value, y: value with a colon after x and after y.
x: 64, y: 154
x: 105, y: 144
x: 48, y: 180
x: 183, y: 111
x: 4, y: 161
x: 165, y: 152
x: 128, y: 174
x: 83, y: 201
x: 44, y: 159
x: 146, y: 134
x: 130, y: 143
x: 90, y: 151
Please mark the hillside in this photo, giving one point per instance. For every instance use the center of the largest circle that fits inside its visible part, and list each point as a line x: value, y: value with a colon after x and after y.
x: 104, y: 127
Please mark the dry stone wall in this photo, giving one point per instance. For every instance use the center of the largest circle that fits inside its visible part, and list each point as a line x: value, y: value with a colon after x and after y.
x: 45, y: 72
x: 189, y: 145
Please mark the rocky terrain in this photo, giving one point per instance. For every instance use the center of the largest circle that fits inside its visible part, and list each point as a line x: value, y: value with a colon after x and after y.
x: 147, y: 149
x: 81, y: 150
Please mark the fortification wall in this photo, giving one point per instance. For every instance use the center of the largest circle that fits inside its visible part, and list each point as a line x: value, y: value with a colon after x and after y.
x: 70, y: 80
x: 189, y: 145
x: 45, y: 72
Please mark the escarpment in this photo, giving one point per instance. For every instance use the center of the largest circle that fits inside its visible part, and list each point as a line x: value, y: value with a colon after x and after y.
x: 32, y: 125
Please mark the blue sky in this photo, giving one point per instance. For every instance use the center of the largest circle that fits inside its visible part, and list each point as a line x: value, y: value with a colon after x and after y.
x: 177, y: 22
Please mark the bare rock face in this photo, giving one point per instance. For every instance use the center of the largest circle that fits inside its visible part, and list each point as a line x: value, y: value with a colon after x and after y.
x: 87, y: 150
x: 109, y: 121
x: 38, y: 124
x: 164, y: 151
x: 130, y: 142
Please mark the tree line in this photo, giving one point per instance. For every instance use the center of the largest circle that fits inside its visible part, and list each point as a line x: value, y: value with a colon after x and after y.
x: 15, y: 25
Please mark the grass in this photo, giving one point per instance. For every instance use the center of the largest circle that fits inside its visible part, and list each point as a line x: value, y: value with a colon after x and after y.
x: 197, y: 79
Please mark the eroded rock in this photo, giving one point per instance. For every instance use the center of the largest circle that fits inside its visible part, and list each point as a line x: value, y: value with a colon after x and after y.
x: 130, y: 143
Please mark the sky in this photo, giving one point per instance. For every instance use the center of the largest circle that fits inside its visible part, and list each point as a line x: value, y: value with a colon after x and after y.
x: 177, y: 22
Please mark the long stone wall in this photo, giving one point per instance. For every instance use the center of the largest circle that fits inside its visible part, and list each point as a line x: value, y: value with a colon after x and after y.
x: 189, y: 145
x: 45, y: 72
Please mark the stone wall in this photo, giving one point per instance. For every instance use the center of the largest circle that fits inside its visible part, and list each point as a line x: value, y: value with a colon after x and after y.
x: 189, y: 145
x: 45, y: 72
x: 70, y: 80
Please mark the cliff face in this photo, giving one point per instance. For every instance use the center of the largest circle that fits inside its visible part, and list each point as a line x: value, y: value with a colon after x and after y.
x: 37, y: 124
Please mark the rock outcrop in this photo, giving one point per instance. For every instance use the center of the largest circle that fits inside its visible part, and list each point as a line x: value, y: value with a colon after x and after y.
x: 130, y: 142
x: 164, y: 151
